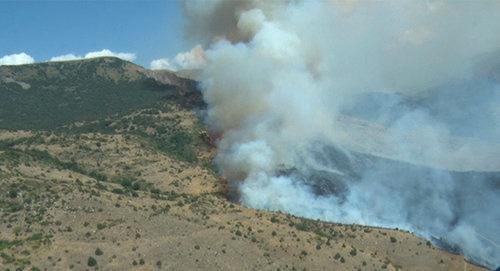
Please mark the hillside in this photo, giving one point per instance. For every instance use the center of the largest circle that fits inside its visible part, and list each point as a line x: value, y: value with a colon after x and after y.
x: 48, y: 95
x: 105, y: 165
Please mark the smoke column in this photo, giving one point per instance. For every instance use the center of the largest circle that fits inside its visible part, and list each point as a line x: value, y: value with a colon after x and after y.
x: 367, y: 112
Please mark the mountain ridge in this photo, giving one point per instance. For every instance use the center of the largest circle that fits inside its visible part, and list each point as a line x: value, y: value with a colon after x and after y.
x: 47, y: 95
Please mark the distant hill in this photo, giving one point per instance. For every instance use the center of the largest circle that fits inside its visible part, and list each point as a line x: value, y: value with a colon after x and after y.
x: 48, y: 95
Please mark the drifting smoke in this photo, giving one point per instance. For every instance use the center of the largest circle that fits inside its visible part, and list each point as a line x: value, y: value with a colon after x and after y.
x: 191, y: 60
x: 376, y: 113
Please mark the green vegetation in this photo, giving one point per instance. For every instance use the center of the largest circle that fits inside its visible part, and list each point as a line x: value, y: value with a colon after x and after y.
x: 61, y: 93
x: 179, y: 145
x: 101, y: 226
x: 35, y: 240
x: 91, y: 262
x: 353, y: 252
x: 5, y: 244
x: 30, y: 155
x: 98, y: 252
x: 169, y: 137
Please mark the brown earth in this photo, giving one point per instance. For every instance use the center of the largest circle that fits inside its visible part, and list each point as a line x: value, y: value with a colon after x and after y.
x: 121, y: 200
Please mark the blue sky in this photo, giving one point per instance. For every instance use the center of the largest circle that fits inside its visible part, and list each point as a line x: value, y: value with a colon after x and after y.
x: 45, y: 29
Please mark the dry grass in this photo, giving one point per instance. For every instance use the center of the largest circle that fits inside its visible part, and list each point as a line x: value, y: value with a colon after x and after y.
x: 170, y: 215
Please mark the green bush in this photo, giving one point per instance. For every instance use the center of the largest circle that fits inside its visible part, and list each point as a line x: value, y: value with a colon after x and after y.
x: 353, y: 252
x: 91, y: 262
x: 303, y: 226
x: 77, y: 93
x: 118, y: 191
x: 101, y: 226
x: 98, y: 252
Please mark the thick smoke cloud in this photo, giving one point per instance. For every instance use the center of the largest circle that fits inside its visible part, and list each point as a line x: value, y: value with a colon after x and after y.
x: 377, y: 113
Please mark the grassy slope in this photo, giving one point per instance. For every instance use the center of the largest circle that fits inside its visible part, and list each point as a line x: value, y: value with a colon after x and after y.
x: 136, y: 190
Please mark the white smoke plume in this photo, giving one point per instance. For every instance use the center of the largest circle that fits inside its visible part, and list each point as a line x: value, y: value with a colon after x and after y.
x: 190, y: 60
x: 380, y: 113
x: 162, y: 64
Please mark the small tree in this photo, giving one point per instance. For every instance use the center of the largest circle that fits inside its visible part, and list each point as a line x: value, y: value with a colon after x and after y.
x: 91, y: 262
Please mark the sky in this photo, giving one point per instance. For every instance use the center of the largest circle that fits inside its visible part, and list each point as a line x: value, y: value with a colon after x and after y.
x: 142, y: 31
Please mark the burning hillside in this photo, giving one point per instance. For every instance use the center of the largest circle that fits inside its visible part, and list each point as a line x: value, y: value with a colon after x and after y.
x: 280, y: 76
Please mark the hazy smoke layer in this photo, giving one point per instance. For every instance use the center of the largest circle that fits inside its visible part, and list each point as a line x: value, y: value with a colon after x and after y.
x: 360, y: 112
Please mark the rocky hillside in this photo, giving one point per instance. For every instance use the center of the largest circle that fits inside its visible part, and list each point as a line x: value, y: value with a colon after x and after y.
x: 105, y: 166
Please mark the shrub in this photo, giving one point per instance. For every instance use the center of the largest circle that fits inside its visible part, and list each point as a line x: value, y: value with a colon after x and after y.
x: 353, y: 252
x: 98, y: 176
x: 91, y: 262
x: 118, y: 191
x: 302, y: 227
x: 98, y: 252
x: 337, y: 256
x: 101, y: 226
x: 12, y: 193
x: 126, y: 183
x: 35, y: 237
